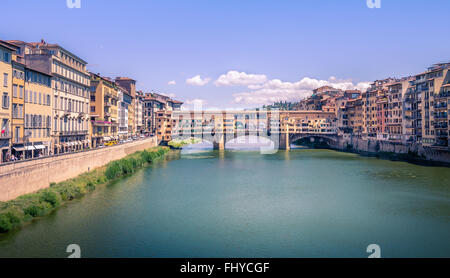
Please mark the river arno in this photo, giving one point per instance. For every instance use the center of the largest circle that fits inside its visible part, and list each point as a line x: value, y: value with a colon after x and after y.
x: 301, y: 203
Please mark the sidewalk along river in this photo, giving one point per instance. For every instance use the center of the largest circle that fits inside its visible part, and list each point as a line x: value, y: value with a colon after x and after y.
x: 298, y: 203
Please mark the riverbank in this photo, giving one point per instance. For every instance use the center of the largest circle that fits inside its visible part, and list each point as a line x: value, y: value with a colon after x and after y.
x: 16, y: 212
x: 23, y: 177
x: 396, y: 151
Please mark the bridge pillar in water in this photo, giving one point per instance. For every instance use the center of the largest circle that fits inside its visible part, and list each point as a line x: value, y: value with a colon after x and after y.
x: 284, y: 142
x: 219, y: 143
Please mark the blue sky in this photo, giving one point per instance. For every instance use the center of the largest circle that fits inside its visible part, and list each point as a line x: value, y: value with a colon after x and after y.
x: 276, y: 50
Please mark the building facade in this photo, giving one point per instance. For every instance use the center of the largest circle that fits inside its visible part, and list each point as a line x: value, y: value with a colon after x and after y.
x: 104, y: 101
x: 18, y: 105
x: 139, y: 113
x: 130, y: 86
x: 123, y: 105
x: 431, y: 86
x: 70, y: 90
x: 38, y: 140
x: 6, y: 52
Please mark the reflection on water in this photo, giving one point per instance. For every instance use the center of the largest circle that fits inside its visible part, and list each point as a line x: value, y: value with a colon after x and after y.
x: 203, y: 203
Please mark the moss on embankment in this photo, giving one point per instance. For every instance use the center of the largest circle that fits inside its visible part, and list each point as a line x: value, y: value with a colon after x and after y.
x: 16, y: 212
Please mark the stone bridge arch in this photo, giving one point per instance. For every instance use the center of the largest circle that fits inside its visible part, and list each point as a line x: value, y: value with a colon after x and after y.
x: 329, y: 139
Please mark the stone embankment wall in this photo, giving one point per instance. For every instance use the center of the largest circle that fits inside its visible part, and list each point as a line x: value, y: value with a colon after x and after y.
x: 407, y: 151
x: 24, y: 177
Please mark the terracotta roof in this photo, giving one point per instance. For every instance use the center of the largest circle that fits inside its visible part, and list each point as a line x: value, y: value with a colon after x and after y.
x: 8, y: 45
x: 124, y: 78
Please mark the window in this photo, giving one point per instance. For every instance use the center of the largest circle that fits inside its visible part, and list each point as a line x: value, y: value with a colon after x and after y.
x: 14, y: 90
x: 6, y: 57
x: 15, y: 111
x: 21, y: 91
x: 26, y: 95
x: 48, y: 100
x: 17, y: 133
x: 5, y: 101
x: 5, y: 80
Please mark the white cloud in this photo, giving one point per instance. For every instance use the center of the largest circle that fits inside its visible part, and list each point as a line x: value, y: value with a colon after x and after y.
x: 235, y: 78
x: 172, y: 82
x: 197, y: 81
x: 195, y: 101
x: 277, y: 90
x: 194, y: 104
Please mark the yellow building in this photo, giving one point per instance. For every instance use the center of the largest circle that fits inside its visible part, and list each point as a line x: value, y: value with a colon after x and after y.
x: 131, y: 117
x: 6, y: 52
x: 38, y: 114
x: 70, y: 92
x: 17, y: 116
x: 103, y: 110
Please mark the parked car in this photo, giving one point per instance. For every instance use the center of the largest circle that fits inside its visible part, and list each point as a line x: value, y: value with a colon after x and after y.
x: 111, y: 143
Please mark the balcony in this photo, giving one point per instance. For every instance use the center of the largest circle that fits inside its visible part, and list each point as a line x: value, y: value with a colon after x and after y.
x: 442, y: 105
x: 5, y: 135
x: 441, y: 133
x: 73, y: 132
x: 423, y: 89
x: 441, y: 126
x: 441, y: 116
x: 442, y: 95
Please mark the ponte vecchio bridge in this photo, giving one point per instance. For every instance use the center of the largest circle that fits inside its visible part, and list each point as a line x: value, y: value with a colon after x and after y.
x: 219, y: 127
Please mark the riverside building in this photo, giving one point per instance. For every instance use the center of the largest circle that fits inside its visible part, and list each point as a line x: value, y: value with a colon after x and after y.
x: 155, y: 116
x: 432, y: 86
x: 6, y: 52
x: 18, y: 105
x: 139, y: 112
x: 38, y: 114
x: 395, y: 113
x: 70, y: 92
x: 122, y: 106
x: 370, y: 100
x: 130, y: 86
x: 104, y: 101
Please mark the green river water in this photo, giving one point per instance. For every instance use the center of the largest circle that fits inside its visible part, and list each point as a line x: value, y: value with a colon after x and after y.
x: 298, y: 203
